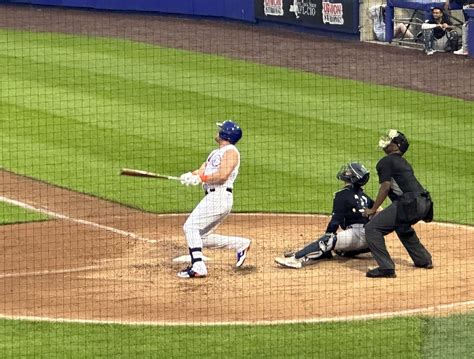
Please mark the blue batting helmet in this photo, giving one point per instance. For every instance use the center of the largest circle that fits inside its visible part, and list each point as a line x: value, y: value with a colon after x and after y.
x: 230, y: 131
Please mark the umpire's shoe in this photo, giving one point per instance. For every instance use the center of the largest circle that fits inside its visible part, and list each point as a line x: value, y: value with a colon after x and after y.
x: 381, y: 273
x: 428, y: 265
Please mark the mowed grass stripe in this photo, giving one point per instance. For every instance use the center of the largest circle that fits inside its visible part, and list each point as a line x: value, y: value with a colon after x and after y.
x: 394, y: 338
x: 188, y: 72
x: 413, y: 337
x: 89, y: 106
x: 450, y: 337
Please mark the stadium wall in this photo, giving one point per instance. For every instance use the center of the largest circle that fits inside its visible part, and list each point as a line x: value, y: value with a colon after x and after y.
x: 328, y: 16
x: 231, y: 9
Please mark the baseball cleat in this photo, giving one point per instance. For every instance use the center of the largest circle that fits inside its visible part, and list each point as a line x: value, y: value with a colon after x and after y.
x: 381, y: 273
x: 290, y: 262
x: 189, y: 272
x: 241, y: 256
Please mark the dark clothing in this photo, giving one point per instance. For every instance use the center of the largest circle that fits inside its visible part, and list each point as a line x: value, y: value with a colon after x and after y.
x: 410, y: 203
x: 463, y: 2
x: 386, y: 222
x: 398, y: 171
x: 438, y: 32
x: 348, y: 207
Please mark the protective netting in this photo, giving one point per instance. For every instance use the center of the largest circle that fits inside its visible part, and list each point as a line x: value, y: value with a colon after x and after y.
x: 268, y: 206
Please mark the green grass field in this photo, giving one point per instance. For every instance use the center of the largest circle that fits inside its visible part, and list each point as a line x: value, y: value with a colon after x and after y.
x: 13, y: 214
x: 75, y: 109
x: 416, y: 337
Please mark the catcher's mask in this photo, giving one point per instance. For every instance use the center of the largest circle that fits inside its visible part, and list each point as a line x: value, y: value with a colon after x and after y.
x: 355, y: 173
x: 396, y: 137
x: 229, y: 131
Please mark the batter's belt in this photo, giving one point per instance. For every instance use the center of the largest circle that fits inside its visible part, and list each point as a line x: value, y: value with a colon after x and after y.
x: 228, y: 189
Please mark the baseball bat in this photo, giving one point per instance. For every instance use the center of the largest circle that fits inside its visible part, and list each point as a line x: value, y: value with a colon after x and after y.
x: 140, y: 173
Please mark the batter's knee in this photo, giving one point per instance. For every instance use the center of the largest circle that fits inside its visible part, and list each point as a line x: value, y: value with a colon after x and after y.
x: 189, y: 227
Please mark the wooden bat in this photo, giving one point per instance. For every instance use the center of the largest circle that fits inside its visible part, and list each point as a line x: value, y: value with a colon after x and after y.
x: 140, y: 173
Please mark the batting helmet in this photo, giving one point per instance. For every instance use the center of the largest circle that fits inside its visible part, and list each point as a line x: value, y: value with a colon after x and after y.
x: 355, y: 173
x: 230, y: 131
x: 396, y: 137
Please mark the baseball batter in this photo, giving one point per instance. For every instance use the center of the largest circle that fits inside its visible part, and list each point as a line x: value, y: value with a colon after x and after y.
x: 348, y: 207
x: 217, y: 176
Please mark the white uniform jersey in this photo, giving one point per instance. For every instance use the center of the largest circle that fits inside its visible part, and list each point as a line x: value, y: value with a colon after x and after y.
x: 213, y: 164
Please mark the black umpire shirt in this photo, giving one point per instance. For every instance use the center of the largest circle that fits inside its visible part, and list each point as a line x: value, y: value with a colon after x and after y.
x: 348, y: 207
x: 396, y: 169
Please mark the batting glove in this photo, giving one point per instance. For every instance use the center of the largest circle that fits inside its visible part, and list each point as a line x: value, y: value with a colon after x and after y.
x: 194, y: 180
x: 185, y: 178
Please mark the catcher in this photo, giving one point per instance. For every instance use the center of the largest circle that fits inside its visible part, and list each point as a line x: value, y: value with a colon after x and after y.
x: 348, y: 208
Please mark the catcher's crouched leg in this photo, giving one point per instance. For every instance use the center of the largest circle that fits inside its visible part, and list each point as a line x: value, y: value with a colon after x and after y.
x: 322, y: 245
x: 352, y: 242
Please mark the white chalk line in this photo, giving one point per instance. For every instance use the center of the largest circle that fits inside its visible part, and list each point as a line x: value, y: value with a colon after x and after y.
x: 409, y: 312
x: 49, y: 272
x: 75, y: 220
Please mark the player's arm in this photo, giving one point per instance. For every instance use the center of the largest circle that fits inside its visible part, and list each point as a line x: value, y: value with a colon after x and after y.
x: 384, y: 171
x: 447, y: 25
x: 337, y: 217
x: 384, y: 189
x: 200, y: 170
x: 370, y: 201
x: 228, y: 163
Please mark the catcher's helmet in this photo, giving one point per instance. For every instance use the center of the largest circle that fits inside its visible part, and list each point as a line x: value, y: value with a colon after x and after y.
x: 396, y: 137
x: 354, y: 173
x: 229, y: 131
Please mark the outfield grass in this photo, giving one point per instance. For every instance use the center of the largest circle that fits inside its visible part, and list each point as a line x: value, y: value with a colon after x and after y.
x: 76, y: 109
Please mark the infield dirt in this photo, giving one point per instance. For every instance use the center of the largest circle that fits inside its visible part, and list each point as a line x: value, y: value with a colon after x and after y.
x: 67, y: 268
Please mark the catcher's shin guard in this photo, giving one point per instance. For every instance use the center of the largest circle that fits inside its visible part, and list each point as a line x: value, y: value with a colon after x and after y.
x: 316, y: 249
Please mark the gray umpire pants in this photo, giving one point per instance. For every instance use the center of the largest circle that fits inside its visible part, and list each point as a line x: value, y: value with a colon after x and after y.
x: 384, y: 223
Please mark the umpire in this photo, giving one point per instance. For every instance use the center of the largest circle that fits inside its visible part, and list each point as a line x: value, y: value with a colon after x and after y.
x: 410, y: 204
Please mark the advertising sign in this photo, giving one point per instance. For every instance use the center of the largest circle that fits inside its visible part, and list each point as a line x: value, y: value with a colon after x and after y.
x: 330, y: 15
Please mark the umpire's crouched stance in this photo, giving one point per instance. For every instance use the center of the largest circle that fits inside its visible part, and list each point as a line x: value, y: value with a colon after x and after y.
x: 410, y: 204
